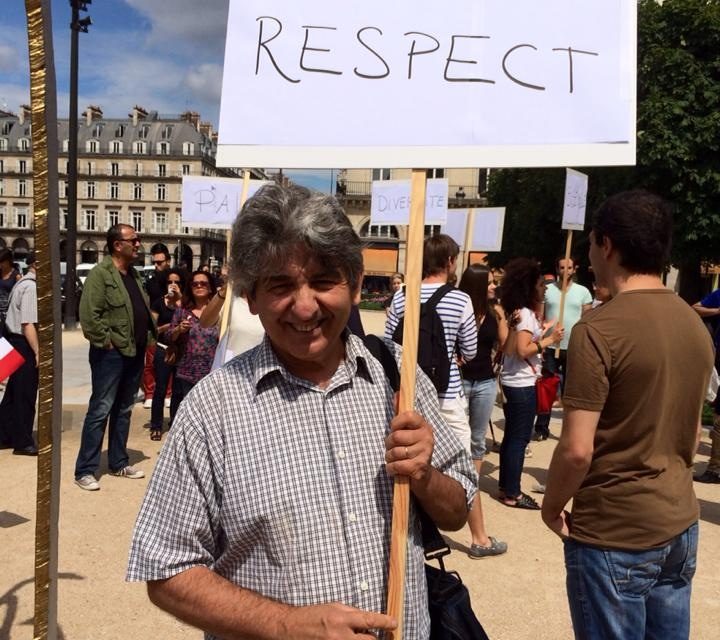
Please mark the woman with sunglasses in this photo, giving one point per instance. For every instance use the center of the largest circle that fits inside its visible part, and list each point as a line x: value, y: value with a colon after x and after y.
x: 196, y: 343
x: 162, y: 311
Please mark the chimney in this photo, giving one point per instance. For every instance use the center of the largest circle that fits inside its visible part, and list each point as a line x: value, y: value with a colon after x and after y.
x: 193, y: 117
x: 205, y: 128
x: 138, y: 113
x: 93, y: 112
x: 25, y: 114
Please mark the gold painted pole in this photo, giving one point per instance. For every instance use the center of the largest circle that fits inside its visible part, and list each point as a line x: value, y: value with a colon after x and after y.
x: 401, y: 494
x: 568, y: 249
x: 227, y: 305
x: 47, y: 250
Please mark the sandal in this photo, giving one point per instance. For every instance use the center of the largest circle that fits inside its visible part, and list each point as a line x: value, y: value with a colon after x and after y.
x: 156, y: 434
x: 523, y: 501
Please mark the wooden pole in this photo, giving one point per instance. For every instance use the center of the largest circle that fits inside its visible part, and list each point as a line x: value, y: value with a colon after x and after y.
x: 568, y: 249
x: 227, y: 305
x: 47, y: 253
x: 468, y: 228
x: 401, y: 495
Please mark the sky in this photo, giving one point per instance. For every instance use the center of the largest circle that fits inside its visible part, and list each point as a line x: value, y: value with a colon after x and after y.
x: 164, y: 55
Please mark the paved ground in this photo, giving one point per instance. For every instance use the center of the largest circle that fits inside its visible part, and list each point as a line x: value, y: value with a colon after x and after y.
x: 519, y: 595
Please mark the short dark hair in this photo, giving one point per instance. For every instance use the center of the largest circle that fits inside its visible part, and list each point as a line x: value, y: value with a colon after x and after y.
x: 557, y: 262
x: 114, y: 234
x: 6, y: 255
x: 640, y: 226
x: 160, y: 247
x: 30, y: 259
x: 519, y: 285
x: 437, y: 250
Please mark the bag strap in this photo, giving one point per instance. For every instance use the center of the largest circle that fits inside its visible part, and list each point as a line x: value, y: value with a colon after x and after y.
x: 438, y: 295
x: 433, y: 543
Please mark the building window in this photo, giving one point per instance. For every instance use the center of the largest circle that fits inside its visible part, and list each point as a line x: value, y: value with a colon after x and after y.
x: 186, y: 170
x: 64, y: 219
x: 2, y: 187
x: 113, y: 218
x: 188, y: 149
x: 140, y: 147
x: 21, y: 218
x: 114, y: 169
x: 163, y: 148
x: 435, y: 173
x: 138, y: 169
x: 3, y: 214
x: 379, y: 231
x: 432, y: 230
x: 162, y: 170
x: 3, y: 144
x: 137, y: 220
x: 166, y: 132
x: 161, y: 192
x: 160, y: 222
x: 381, y: 174
x: 2, y: 165
x: 65, y: 145
x: 91, y: 146
x: 24, y: 144
x: 97, y: 131
x: 22, y: 166
x: 89, y: 219
x: 90, y: 168
x: 114, y: 190
x: 90, y: 189
x: 120, y: 131
x: 137, y: 191
x: 116, y: 146
x: 62, y: 188
x: 144, y: 131
x: 7, y: 125
x: 22, y: 187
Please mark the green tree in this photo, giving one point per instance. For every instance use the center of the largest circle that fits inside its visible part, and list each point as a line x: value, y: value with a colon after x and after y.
x: 678, y: 133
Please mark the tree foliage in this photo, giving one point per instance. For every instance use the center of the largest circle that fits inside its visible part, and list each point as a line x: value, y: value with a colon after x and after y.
x: 678, y: 134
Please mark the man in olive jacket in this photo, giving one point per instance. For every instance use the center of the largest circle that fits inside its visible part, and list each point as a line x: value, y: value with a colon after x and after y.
x: 115, y: 318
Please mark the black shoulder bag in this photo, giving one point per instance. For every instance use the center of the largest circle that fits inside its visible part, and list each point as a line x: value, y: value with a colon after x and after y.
x: 451, y: 614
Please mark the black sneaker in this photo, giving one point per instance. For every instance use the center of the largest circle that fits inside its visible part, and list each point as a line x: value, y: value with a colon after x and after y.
x: 708, y: 477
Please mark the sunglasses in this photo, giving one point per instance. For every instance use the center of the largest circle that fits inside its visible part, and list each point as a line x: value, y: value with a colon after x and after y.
x: 159, y: 261
x: 201, y: 283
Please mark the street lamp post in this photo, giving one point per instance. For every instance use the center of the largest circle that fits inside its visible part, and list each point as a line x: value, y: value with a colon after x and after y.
x: 77, y: 25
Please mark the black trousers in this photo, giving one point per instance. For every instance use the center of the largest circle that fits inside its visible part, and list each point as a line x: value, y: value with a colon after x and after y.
x: 17, y: 409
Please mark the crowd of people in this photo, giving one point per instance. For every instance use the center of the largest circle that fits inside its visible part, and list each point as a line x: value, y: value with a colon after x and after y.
x: 268, y: 510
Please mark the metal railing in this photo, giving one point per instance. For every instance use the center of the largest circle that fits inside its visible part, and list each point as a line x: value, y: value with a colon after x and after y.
x: 355, y: 189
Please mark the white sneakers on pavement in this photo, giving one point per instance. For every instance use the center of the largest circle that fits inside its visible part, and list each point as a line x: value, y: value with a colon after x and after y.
x: 129, y: 472
x: 87, y: 482
x: 147, y: 404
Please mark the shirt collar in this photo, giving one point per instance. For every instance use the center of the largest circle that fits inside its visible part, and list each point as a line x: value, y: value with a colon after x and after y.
x: 266, y: 363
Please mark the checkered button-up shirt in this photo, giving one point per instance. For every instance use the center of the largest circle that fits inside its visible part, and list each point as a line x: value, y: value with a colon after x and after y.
x: 280, y: 486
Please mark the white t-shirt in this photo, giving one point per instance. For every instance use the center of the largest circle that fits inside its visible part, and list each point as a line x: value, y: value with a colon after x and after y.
x: 516, y: 372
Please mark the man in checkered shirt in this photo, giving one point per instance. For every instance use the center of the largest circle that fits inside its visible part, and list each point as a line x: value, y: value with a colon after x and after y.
x: 269, y: 511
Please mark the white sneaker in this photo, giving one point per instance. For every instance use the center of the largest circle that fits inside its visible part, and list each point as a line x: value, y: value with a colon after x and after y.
x: 167, y: 403
x: 129, y: 472
x: 528, y: 452
x: 87, y: 482
x: 147, y: 404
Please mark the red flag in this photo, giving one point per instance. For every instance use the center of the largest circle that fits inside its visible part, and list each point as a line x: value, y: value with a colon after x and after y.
x: 10, y: 359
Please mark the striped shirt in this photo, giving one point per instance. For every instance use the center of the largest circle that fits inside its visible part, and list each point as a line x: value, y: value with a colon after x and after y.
x: 456, y: 313
x: 279, y: 486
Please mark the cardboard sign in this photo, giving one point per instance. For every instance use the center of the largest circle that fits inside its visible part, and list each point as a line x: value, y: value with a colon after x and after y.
x: 463, y: 83
x: 484, y: 233
x: 213, y: 203
x: 390, y: 201
x: 576, y: 186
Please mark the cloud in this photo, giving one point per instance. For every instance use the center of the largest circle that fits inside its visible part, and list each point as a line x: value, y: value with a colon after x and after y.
x: 9, y: 58
x: 188, y: 24
x: 205, y: 81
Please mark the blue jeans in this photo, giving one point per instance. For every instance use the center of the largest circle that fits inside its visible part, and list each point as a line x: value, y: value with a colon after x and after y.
x: 519, y: 415
x: 631, y: 595
x: 163, y: 374
x: 115, y: 381
x: 480, y: 396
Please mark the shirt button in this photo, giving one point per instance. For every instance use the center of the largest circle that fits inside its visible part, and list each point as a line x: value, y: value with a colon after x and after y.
x: 364, y: 586
x: 341, y: 455
x: 352, y: 517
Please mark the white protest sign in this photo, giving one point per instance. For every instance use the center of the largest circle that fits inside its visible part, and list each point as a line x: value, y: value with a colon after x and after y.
x: 576, y: 186
x: 213, y: 203
x: 462, y: 83
x: 390, y: 201
x: 456, y: 226
x: 487, y: 231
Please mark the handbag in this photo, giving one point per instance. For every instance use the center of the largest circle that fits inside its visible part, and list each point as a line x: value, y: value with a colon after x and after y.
x: 546, y: 387
x: 451, y: 614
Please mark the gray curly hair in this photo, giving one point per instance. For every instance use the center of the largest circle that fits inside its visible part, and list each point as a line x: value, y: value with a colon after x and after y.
x: 277, y: 219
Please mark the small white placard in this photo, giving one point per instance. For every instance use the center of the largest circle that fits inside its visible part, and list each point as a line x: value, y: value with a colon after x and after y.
x: 213, y: 203
x: 456, y: 226
x: 487, y: 229
x: 390, y: 201
x: 576, y: 186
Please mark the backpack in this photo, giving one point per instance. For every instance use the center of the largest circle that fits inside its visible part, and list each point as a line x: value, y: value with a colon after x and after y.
x: 432, y: 348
